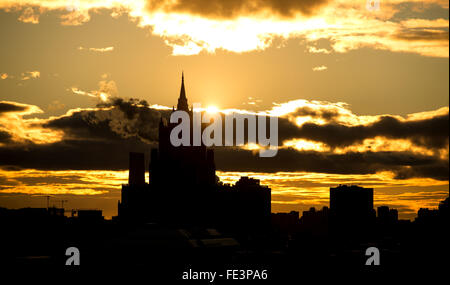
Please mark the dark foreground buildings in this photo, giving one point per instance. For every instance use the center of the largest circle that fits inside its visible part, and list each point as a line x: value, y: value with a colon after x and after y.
x: 184, y: 189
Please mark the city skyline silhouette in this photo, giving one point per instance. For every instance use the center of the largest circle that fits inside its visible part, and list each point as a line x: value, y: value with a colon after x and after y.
x: 218, y: 141
x: 184, y: 217
x: 136, y: 128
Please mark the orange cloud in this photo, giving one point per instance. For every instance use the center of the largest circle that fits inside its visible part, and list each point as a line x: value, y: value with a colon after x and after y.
x: 290, y: 190
x: 101, y: 50
x: 231, y: 9
x: 31, y: 75
x: 75, y: 182
x: 313, y: 49
x: 25, y: 130
x: 106, y: 89
x: 29, y: 16
x: 191, y: 27
x: 320, y: 68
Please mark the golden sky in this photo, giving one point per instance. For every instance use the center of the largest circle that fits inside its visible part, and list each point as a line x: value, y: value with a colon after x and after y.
x: 361, y: 94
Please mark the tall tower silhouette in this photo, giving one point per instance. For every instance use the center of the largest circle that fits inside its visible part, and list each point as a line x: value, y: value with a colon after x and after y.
x: 193, y: 165
x: 183, y: 188
x: 182, y: 100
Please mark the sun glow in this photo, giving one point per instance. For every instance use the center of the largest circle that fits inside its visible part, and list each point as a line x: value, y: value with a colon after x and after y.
x: 104, y: 97
x: 212, y: 109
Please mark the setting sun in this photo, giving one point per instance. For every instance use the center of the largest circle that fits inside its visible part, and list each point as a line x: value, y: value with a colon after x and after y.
x: 212, y: 109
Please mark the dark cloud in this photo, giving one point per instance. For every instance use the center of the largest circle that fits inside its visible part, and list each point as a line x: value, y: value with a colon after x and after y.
x: 10, y: 167
x: 235, y: 8
x: 141, y: 121
x: 128, y: 106
x: 72, y: 154
x: 432, y: 132
x: 327, y: 115
x: 130, y: 118
x: 113, y: 155
x: 102, y: 138
x: 402, y: 164
x: 54, y: 179
x: 11, y: 107
x: 422, y: 35
x: 80, y: 126
x: 93, y: 139
x: 5, y: 137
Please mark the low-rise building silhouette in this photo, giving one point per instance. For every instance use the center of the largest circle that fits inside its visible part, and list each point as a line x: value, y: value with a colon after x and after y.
x: 386, y: 215
x: 88, y: 215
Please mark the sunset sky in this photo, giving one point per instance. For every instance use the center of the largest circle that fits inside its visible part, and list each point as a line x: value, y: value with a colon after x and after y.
x: 361, y: 94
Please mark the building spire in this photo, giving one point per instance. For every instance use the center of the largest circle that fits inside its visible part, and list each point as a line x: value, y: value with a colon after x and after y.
x: 182, y: 100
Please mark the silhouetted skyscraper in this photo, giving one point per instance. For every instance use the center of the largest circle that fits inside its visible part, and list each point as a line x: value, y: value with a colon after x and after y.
x: 192, y: 165
x: 351, y: 200
x: 352, y: 207
x: 182, y: 100
x: 183, y: 187
x: 136, y: 174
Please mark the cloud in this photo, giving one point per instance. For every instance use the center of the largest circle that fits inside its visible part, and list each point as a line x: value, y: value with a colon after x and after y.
x: 290, y: 190
x: 403, y: 164
x: 194, y: 26
x: 326, y: 114
x: 55, y: 106
x: 6, y: 106
x: 347, y: 25
x: 320, y: 68
x: 253, y: 102
x: 87, y: 138
x: 114, y: 121
x: 75, y: 18
x: 18, y: 108
x: 29, y: 16
x: 30, y: 75
x: 101, y: 50
x: 106, y: 89
x: 5, y: 136
x: 425, y: 23
x: 431, y: 133
x: 130, y: 118
x: 38, y: 182
x: 423, y: 35
x: 313, y: 49
x: 97, y: 138
x: 234, y: 8
x: 24, y: 131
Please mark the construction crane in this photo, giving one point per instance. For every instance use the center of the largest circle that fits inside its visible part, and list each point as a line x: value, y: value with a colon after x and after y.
x: 62, y: 203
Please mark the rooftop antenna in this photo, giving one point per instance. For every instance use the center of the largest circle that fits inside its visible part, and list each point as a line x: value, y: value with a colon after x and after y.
x: 48, y: 201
